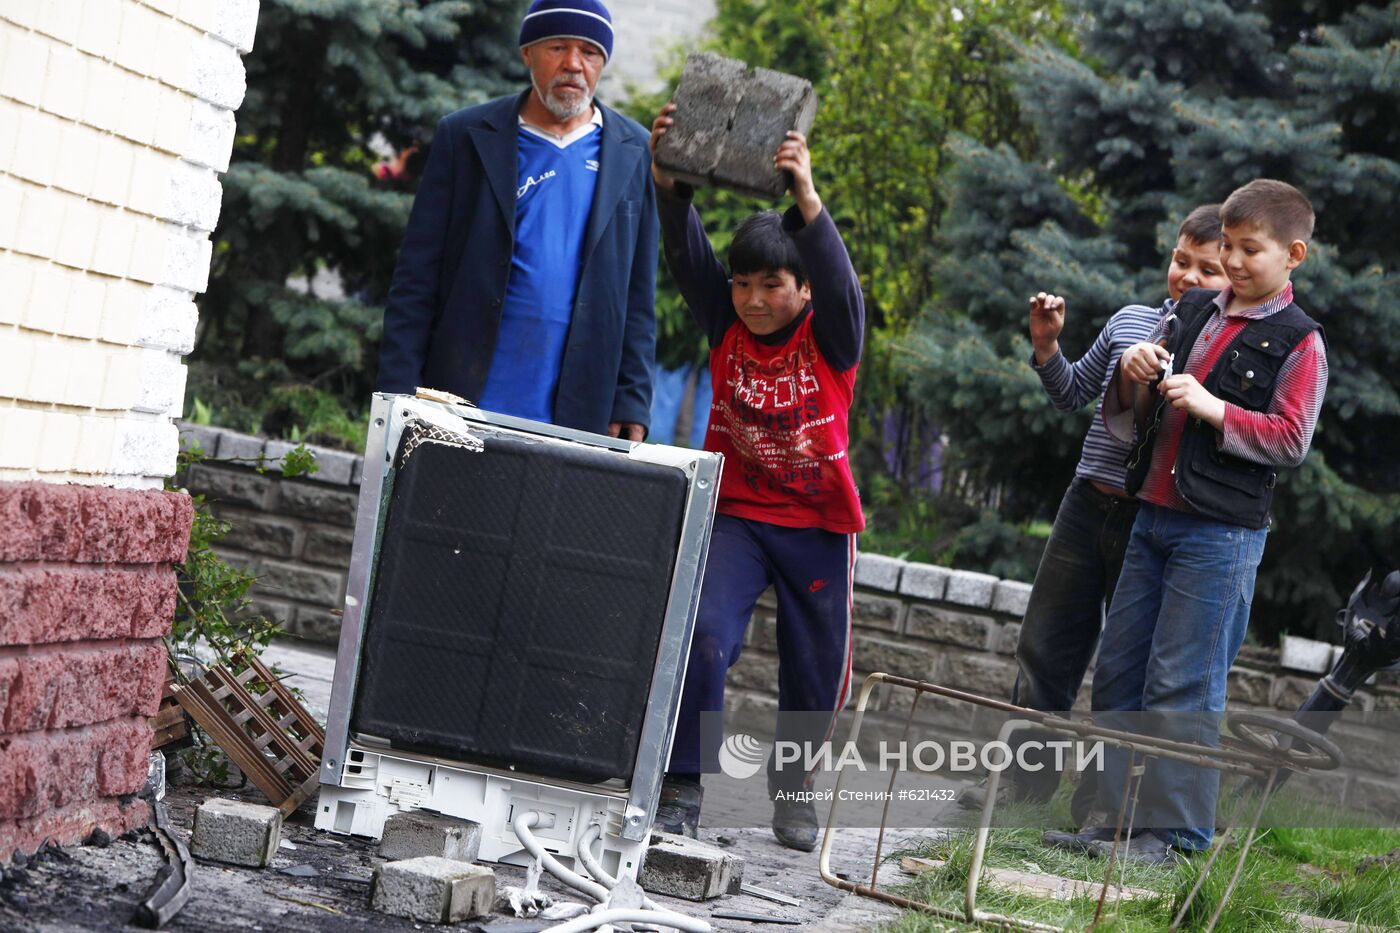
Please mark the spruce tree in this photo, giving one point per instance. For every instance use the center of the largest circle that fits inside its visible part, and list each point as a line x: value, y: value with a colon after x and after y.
x: 1169, y: 106
x: 328, y: 80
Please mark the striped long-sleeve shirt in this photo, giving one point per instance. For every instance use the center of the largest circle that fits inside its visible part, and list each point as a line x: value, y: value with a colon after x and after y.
x: 1073, y: 385
x: 1277, y: 436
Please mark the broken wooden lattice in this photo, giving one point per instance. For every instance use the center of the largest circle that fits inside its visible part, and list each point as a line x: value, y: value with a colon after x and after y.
x: 261, y: 727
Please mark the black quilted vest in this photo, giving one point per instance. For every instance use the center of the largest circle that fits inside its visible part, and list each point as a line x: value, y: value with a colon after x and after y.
x: 1216, y: 484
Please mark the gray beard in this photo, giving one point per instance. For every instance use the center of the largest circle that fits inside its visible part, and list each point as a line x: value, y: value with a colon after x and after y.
x: 559, y: 109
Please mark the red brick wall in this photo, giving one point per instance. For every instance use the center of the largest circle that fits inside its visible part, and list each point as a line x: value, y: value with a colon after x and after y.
x: 87, y: 588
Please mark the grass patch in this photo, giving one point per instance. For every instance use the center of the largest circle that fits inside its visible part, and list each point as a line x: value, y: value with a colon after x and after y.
x: 1289, y: 871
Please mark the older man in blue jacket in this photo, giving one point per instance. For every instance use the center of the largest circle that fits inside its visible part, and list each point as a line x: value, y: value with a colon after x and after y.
x: 526, y: 280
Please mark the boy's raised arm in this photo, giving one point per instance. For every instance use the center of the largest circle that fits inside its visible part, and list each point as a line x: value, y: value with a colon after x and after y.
x: 838, y: 306
x: 691, y: 258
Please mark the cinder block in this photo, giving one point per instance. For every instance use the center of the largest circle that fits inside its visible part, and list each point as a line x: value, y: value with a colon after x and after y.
x: 432, y: 889
x: 66, y: 82
x: 99, y: 28
x: 166, y: 320
x: 85, y: 300
x: 417, y: 833
x: 878, y: 572
x: 150, y: 181
x: 48, y: 298
x: 138, y: 122
x: 173, y: 124
x: 122, y: 385
x: 236, y: 21
x: 16, y: 276
x: 78, y: 241
x: 86, y: 370
x: 95, y: 444
x: 138, y: 44
x: 115, y: 242
x: 199, y: 13
x: 161, y: 387
x: 23, y: 12
x: 121, y: 312
x: 236, y: 832
x: 107, y: 92
x: 210, y: 138
x: 1011, y: 597
x: 924, y: 581
x: 60, y: 19
x: 143, y: 448
x: 48, y: 373
x: 77, y: 159
x: 26, y: 63
x: 9, y: 123
x: 971, y: 589
x: 193, y: 196
x: 58, y: 446
x: 730, y: 120
x: 36, y: 157
x: 111, y: 182
x: 15, y: 360
x: 11, y: 202
x: 218, y: 74
x: 677, y: 866
x: 950, y: 627
x: 20, y: 427
x: 1304, y: 654
x: 177, y: 43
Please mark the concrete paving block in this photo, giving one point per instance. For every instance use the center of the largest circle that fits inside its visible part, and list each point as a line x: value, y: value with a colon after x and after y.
x: 1304, y: 654
x: 433, y: 889
x: 1011, y: 597
x: 924, y: 581
x: 236, y: 832
x: 971, y: 589
x: 710, y: 89
x: 235, y: 446
x: 878, y: 572
x: 677, y: 866
x: 416, y: 833
x: 730, y: 120
x: 205, y: 436
x: 333, y: 466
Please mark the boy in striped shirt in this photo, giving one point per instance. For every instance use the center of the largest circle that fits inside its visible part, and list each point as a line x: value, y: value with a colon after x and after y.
x: 1079, y: 567
x: 1224, y: 393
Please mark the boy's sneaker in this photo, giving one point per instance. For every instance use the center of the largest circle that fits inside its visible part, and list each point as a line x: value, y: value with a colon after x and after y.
x: 795, y: 824
x: 678, y: 813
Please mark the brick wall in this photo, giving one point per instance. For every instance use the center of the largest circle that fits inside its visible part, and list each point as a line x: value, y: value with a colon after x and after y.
x: 86, y: 591
x: 116, y: 117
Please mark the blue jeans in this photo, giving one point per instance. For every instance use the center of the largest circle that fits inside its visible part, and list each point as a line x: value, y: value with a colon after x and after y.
x: 1176, y: 623
x: 1073, y: 584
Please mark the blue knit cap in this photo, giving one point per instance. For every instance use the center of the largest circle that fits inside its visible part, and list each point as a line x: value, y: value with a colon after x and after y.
x: 569, y: 19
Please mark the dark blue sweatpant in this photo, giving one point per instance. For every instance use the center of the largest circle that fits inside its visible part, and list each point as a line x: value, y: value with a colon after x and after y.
x: 811, y: 571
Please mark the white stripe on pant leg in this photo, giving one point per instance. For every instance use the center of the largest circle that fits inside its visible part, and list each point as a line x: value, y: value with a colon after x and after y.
x: 844, y: 691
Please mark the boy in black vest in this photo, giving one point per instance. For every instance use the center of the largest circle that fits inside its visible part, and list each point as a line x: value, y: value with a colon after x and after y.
x: 1225, y: 391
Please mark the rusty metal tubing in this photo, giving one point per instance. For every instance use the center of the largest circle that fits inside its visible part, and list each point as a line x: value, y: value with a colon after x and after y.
x: 1244, y: 854
x: 1218, y: 758
x: 1254, y: 764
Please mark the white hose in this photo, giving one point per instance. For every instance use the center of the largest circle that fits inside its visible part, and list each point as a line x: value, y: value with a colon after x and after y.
x: 585, y: 855
x: 653, y: 913
x: 661, y: 918
x: 522, y: 824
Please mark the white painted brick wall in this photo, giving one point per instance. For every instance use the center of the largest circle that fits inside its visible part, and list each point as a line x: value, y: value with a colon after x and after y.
x: 115, y: 120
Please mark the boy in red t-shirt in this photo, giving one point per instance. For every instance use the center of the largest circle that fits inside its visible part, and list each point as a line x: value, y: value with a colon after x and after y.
x: 785, y: 326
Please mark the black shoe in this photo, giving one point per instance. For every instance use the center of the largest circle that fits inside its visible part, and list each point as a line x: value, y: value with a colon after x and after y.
x: 795, y: 824
x: 1145, y: 849
x: 1082, y: 841
x: 678, y: 813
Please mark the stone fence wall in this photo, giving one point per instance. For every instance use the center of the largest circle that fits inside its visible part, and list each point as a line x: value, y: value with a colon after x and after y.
x: 950, y: 627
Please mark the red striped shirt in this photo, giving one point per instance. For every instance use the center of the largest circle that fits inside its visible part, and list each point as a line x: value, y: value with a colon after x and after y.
x: 1278, y: 436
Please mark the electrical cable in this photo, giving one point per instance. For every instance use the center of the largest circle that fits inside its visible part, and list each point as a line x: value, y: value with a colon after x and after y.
x: 522, y: 825
x: 663, y: 918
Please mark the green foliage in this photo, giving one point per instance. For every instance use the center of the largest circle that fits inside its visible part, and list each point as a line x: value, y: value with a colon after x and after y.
x: 213, y: 612
x: 307, y: 237
x: 1150, y: 119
